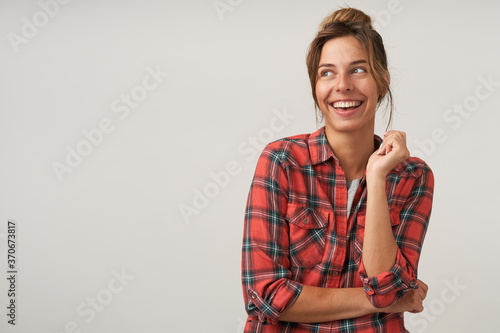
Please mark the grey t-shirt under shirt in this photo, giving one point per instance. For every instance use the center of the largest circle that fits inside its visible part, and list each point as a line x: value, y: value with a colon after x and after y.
x: 352, y: 187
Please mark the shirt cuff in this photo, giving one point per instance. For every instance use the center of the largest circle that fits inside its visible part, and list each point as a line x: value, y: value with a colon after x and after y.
x: 269, y: 307
x: 388, y: 287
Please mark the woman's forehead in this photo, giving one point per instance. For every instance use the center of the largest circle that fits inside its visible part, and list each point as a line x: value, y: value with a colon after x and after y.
x: 343, y: 50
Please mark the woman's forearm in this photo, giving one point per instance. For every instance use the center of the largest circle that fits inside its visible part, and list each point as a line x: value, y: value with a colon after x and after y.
x: 316, y: 304
x: 379, y: 245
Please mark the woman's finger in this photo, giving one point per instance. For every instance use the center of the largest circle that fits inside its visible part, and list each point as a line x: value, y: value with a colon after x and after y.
x: 393, y: 140
x: 424, y: 287
x: 395, y: 134
x: 389, y: 132
x: 421, y: 293
x: 388, y: 148
x: 381, y: 149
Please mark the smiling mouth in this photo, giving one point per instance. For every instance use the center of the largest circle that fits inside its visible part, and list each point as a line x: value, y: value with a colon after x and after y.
x: 346, y: 105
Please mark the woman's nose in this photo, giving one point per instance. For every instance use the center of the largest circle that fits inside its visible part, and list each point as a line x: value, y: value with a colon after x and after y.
x: 343, y: 83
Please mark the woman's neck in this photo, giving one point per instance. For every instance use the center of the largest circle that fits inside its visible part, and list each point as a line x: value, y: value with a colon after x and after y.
x: 352, y: 149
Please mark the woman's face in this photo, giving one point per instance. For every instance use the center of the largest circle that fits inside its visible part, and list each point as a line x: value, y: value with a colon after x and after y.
x: 346, y: 90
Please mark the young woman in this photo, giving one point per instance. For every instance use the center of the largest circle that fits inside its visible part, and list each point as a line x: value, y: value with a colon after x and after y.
x: 336, y: 219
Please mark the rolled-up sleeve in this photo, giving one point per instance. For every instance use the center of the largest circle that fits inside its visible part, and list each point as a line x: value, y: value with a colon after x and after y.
x: 267, y: 287
x: 410, y: 226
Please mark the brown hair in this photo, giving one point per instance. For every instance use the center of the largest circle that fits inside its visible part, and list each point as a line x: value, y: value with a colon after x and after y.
x: 352, y: 22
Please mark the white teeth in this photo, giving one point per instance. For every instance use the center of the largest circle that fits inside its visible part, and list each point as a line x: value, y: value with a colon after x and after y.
x: 346, y: 104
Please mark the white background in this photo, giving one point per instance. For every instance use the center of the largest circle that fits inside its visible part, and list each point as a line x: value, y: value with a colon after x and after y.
x: 119, y: 210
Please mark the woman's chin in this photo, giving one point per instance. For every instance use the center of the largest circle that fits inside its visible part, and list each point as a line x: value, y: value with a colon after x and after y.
x: 350, y: 125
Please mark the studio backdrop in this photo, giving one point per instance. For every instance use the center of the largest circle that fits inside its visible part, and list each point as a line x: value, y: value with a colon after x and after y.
x: 130, y: 132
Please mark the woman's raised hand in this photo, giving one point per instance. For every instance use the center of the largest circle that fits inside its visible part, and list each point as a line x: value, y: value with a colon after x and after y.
x: 392, y: 151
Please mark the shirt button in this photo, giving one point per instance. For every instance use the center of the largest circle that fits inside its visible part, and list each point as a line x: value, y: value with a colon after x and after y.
x: 335, y: 273
x: 306, y: 221
x: 412, y: 284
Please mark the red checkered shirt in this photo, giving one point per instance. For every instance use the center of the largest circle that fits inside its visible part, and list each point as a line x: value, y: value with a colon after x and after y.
x: 297, y: 233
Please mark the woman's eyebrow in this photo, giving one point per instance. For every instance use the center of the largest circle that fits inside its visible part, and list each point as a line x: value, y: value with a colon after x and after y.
x: 356, y: 62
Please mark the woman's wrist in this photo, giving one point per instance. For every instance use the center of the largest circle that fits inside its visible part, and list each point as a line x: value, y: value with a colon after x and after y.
x: 375, y: 178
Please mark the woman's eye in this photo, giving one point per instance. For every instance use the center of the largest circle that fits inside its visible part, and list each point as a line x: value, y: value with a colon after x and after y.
x: 359, y: 70
x: 326, y: 73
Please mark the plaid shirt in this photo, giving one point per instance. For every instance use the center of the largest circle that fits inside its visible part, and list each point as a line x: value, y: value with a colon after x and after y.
x: 297, y: 233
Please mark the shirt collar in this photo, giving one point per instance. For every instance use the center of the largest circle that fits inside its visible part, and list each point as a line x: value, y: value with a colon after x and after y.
x: 320, y: 150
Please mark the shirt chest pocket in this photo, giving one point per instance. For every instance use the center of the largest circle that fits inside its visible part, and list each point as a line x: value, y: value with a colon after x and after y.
x: 307, y: 235
x: 360, y: 229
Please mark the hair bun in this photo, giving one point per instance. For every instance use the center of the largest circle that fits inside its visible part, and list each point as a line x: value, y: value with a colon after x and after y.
x: 347, y: 15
